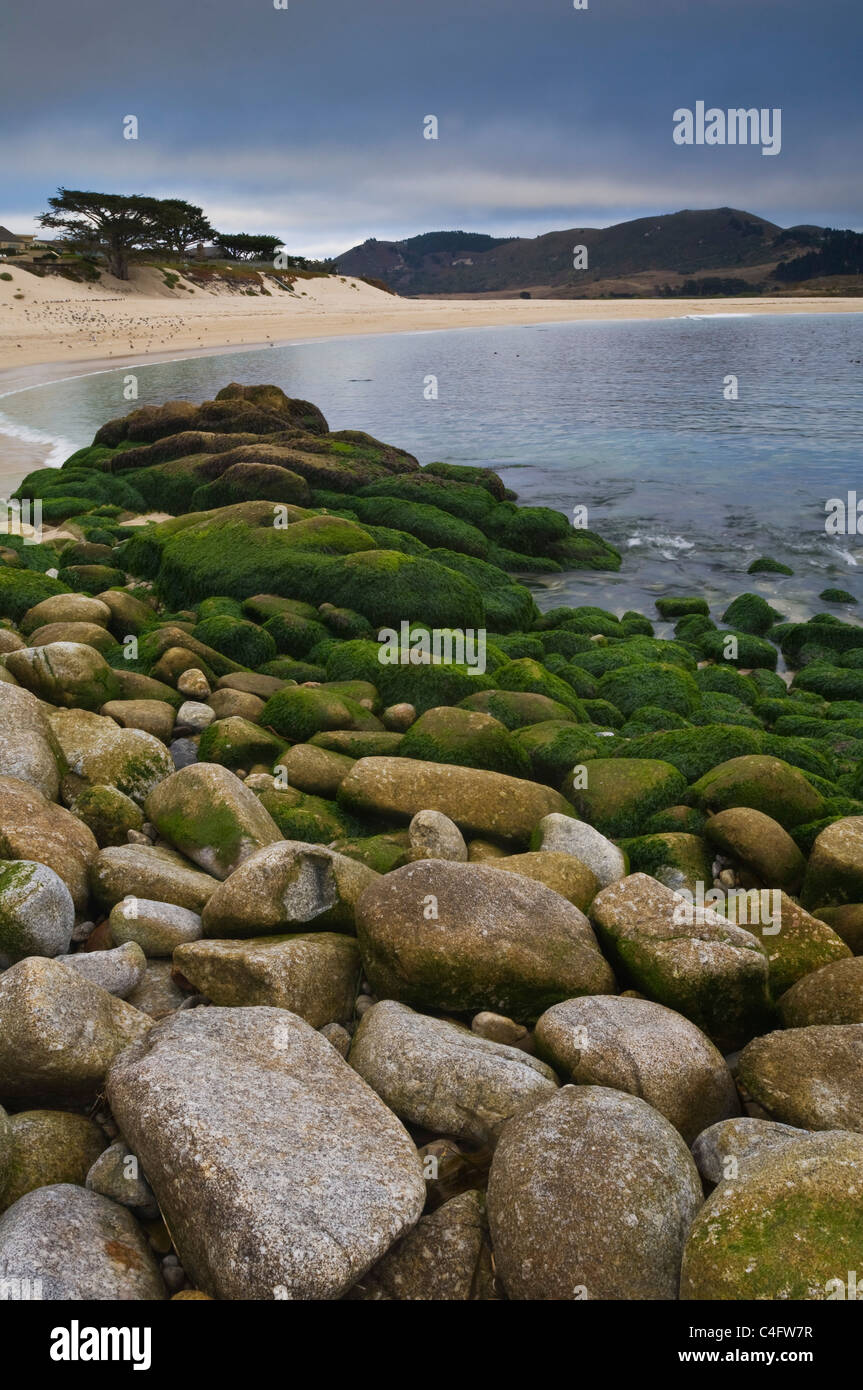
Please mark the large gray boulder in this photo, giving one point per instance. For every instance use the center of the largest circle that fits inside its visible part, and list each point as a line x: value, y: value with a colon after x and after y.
x: 434, y: 1073
x: 59, y: 1032
x: 637, y: 1046
x: 27, y: 749
x: 468, y: 937
x: 76, y: 1245
x: 279, y: 1171
x: 31, y: 827
x: 591, y: 1195
x: 286, y: 886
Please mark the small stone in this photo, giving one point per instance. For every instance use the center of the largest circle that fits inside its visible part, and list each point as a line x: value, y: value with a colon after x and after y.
x: 397, y: 718
x: 193, y: 717
x: 118, y: 971
x: 116, y: 1174
x: 194, y: 684
x: 435, y: 836
x: 338, y: 1036
x: 498, y: 1028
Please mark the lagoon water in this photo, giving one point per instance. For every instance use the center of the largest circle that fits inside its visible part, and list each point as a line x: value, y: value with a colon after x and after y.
x: 628, y: 419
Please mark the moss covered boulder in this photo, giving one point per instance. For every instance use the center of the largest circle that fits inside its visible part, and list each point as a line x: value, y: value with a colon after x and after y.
x: 760, y: 843
x: 465, y: 738
x: 695, y: 962
x: 109, y: 813
x: 678, y: 860
x: 791, y: 1229
x: 37, y: 914
x: 516, y: 709
x: 651, y: 683
x: 466, y: 937
x: 49, y: 1146
x: 811, y: 1077
x: 22, y: 589
x: 296, y: 713
x: 620, y: 793
x: 207, y: 814
x: 765, y: 784
x: 300, y: 815
x: 796, y: 944
x: 237, y: 743
x: 96, y: 752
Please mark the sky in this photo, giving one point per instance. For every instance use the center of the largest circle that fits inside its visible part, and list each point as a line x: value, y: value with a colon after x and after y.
x: 307, y: 122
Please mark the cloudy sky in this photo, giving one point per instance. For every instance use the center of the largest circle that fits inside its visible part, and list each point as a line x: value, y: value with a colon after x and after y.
x: 307, y: 122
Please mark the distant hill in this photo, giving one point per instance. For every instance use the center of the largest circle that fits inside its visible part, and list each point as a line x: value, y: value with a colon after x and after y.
x: 720, y: 251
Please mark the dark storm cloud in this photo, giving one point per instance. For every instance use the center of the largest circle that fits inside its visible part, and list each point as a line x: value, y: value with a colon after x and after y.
x: 308, y: 122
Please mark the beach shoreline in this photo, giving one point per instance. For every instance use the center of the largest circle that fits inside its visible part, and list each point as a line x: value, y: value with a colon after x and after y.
x: 51, y: 341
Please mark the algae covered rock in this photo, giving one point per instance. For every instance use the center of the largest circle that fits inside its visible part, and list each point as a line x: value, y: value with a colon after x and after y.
x: 465, y: 738
x: 693, y: 961
x: 796, y: 944
x: 834, y: 874
x: 764, y: 784
x: 645, y: 1049
x: 678, y: 860
x: 37, y: 914
x: 790, y: 1228
x: 237, y: 743
x: 811, y: 1077
x: 314, y: 974
x: 615, y: 795
x: 49, y: 1146
x: 616, y: 1233
x: 98, y: 753
x: 279, y: 1171
x: 208, y: 815
x: 466, y: 937
x: 285, y: 886
x: 436, y: 1074
x: 480, y: 802
x: 760, y: 843
x: 109, y: 813
x: 296, y: 713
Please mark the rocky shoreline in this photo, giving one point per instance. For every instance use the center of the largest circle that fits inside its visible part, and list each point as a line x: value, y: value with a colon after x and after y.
x: 366, y: 933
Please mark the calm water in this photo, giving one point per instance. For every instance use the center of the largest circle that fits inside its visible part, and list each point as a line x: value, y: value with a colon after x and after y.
x: 628, y: 419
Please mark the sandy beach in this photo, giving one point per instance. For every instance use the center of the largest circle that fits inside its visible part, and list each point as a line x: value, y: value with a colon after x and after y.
x: 52, y: 328
x: 55, y: 321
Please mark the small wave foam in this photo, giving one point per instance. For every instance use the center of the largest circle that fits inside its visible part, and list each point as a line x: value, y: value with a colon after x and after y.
x: 56, y: 448
x: 669, y: 547
x: 715, y: 316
